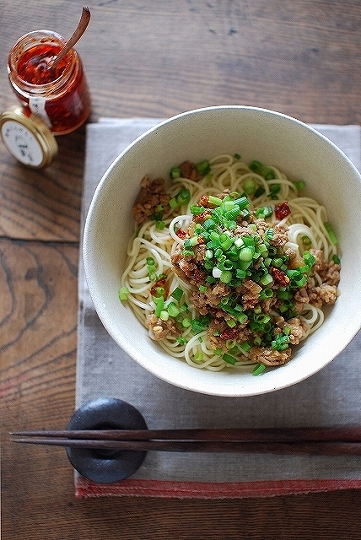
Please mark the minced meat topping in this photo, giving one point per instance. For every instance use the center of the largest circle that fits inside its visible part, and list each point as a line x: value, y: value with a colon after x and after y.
x: 248, y: 284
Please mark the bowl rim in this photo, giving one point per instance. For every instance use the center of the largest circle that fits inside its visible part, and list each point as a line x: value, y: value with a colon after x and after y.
x: 131, y: 351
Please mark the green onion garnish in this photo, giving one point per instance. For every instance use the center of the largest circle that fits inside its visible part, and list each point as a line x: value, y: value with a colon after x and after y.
x: 123, y: 293
x: 183, y: 196
x: 173, y: 309
x: 299, y: 184
x: 268, y: 173
x: 177, y: 294
x: 255, y: 166
x: 203, y: 167
x: 245, y: 346
x: 259, y: 191
x: 249, y: 186
x: 175, y: 172
x: 173, y: 203
x: 331, y: 233
x: 229, y: 359
x: 259, y: 369
x: 216, y: 201
x: 306, y: 240
x: 164, y: 315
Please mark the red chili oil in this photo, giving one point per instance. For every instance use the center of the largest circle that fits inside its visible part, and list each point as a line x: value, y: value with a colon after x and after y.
x: 34, y: 66
x: 59, y: 95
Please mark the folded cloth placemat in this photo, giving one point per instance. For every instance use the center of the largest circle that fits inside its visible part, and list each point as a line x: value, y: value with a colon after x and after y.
x: 332, y: 396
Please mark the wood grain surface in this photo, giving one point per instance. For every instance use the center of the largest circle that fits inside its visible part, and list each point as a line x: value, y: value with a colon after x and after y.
x: 155, y: 59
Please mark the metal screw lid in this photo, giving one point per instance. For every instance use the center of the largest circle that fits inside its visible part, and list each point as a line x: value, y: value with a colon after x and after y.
x: 27, y: 137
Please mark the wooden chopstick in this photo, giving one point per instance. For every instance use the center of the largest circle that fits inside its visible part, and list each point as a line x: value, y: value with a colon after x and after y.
x: 326, y: 440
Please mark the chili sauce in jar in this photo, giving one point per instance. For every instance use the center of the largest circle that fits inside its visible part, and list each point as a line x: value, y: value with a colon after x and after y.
x: 58, y: 95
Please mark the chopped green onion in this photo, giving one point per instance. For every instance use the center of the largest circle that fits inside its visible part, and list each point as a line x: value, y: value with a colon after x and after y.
x: 287, y: 330
x: 216, y: 201
x: 159, y: 305
x: 245, y: 346
x: 264, y: 212
x: 259, y: 369
x: 123, y: 293
x: 242, y: 203
x: 246, y: 254
x: 262, y: 318
x: 331, y: 233
x: 183, y: 196
x: 284, y: 295
x: 198, y: 356
x: 173, y: 203
x: 203, y: 167
x: 164, y: 315
x: 336, y: 259
x: 194, y: 241
x: 177, y: 294
x: 299, y: 184
x: 309, y: 259
x: 266, y: 293
x: 187, y: 253
x: 196, y: 209
x: 209, y: 224
x: 173, y: 309
x: 198, y: 325
x: 249, y: 186
x: 248, y: 241
x: 280, y: 343
x: 268, y: 173
x: 225, y: 276
x: 160, y: 292
x: 229, y: 359
x: 175, y: 172
x: 277, y: 262
x: 186, y: 322
x: 255, y: 166
x: 267, y: 279
x: 226, y: 242
x: 259, y: 191
x: 237, y: 156
x: 242, y: 318
x: 276, y: 188
x: 306, y: 240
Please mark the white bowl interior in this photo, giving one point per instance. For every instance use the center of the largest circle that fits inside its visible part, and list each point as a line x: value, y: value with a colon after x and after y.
x: 256, y: 134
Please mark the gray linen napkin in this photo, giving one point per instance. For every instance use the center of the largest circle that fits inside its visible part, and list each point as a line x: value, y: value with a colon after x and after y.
x: 332, y: 396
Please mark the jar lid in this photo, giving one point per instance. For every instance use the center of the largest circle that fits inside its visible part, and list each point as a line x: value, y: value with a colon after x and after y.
x: 27, y: 138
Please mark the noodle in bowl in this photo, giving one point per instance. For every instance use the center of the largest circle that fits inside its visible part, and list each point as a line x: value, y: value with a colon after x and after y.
x: 257, y: 134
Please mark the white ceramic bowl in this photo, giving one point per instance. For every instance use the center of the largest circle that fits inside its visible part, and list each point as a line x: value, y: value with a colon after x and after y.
x: 259, y: 134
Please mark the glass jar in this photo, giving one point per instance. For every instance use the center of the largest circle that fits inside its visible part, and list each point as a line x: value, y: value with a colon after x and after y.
x: 60, y: 95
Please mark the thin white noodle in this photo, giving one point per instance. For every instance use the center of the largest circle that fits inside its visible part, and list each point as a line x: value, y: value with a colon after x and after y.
x: 307, y: 219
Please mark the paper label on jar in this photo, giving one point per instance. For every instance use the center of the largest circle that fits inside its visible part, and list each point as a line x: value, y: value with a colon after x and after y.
x: 37, y: 106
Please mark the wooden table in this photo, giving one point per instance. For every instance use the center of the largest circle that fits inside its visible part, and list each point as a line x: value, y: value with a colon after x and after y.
x: 155, y: 59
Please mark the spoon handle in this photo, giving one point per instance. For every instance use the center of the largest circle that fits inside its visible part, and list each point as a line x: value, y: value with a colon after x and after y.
x: 77, y: 34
